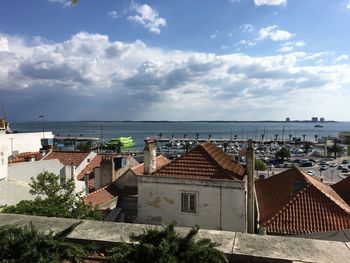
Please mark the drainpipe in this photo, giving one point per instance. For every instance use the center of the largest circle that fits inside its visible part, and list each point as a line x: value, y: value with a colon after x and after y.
x: 250, y: 188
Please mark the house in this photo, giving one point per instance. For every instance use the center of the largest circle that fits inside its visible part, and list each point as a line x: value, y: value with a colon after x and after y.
x: 121, y: 193
x: 295, y: 203
x: 342, y: 188
x: 204, y: 187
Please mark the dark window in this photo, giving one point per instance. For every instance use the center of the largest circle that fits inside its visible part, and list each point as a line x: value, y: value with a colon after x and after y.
x: 188, y: 202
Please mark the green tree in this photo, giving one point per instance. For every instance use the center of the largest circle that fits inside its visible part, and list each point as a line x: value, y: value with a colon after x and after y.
x: 307, y: 146
x: 85, y: 146
x: 29, y: 245
x: 282, y: 154
x: 54, y: 199
x: 260, y: 165
x: 336, y: 148
x: 165, y: 245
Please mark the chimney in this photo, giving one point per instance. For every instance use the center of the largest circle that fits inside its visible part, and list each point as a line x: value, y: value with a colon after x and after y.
x: 250, y: 156
x: 104, y: 175
x: 149, y: 156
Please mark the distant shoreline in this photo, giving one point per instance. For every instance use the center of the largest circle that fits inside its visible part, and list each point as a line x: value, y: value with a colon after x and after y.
x: 201, y: 121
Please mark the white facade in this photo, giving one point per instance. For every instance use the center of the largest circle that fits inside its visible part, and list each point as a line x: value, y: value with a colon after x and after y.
x: 19, y: 143
x: 219, y: 204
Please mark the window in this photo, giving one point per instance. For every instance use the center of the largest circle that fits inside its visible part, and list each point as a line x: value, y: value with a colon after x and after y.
x: 188, y: 202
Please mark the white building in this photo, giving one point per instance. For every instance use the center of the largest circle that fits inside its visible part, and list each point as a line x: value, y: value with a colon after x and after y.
x: 204, y: 187
x: 14, y: 143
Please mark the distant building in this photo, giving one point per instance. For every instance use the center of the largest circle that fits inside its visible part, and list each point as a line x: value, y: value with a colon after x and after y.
x: 287, y: 119
x: 322, y: 119
x: 314, y: 119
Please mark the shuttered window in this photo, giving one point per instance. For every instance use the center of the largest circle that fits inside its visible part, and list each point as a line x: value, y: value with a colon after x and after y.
x: 188, y: 202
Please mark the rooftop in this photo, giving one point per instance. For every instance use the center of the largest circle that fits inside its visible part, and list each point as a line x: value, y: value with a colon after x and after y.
x: 160, y: 162
x: 294, y: 203
x: 205, y: 161
x: 68, y: 157
x: 343, y: 189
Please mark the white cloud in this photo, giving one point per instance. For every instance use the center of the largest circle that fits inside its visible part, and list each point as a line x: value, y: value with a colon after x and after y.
x: 270, y: 2
x: 135, y: 81
x: 247, y: 28
x: 290, y: 46
x: 274, y: 34
x: 348, y: 5
x: 148, y: 17
x: 4, y: 44
x: 342, y: 58
x: 113, y: 14
x: 64, y: 3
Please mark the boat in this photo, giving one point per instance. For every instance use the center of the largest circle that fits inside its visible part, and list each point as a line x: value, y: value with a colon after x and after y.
x: 124, y: 142
x: 318, y: 126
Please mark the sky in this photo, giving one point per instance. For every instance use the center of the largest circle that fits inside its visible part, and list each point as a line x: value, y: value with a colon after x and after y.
x: 175, y: 60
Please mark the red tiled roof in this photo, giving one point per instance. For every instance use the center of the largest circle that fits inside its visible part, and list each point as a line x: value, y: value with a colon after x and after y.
x: 160, y: 162
x: 205, y: 161
x: 68, y: 157
x: 90, y: 167
x: 312, y: 207
x: 25, y: 157
x: 343, y: 189
x: 102, y: 195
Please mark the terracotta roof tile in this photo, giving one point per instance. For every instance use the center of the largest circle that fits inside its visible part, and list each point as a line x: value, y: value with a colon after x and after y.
x: 343, y: 189
x: 26, y: 157
x: 160, y: 162
x: 68, y: 157
x: 102, y: 195
x: 293, y: 203
x: 205, y: 161
x: 90, y: 167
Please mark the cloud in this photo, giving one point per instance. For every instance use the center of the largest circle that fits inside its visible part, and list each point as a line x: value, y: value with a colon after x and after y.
x: 247, y: 28
x: 113, y: 14
x: 64, y: 3
x: 270, y: 2
x: 274, y: 34
x: 348, y: 5
x: 148, y: 17
x: 342, y: 58
x: 290, y: 46
x: 88, y: 76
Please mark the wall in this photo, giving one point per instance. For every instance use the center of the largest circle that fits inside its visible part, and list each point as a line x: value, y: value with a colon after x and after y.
x: 3, y: 162
x: 84, y: 163
x: 24, y: 171
x: 12, y: 192
x: 220, y: 203
x: 126, y: 179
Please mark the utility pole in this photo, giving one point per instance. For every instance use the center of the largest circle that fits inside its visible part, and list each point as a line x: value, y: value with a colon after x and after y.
x: 250, y: 155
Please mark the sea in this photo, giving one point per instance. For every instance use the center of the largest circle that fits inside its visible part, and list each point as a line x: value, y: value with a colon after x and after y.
x: 139, y: 130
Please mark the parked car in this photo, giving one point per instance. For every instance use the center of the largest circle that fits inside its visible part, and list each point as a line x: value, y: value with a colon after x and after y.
x: 332, y: 164
x: 310, y: 172
x: 345, y: 162
x: 345, y: 170
x: 323, y: 167
x: 340, y: 167
x: 306, y: 164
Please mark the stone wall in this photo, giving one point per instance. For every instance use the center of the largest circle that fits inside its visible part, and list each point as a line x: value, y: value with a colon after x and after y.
x: 239, y: 247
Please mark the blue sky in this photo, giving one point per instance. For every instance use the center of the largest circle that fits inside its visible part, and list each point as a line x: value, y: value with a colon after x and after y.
x: 175, y: 60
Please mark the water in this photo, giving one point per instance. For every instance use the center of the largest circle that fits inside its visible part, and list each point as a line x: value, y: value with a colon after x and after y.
x: 140, y: 130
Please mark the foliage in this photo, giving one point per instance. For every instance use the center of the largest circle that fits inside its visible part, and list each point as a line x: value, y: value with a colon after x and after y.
x: 260, y: 165
x: 84, y: 147
x: 307, y: 146
x: 282, y: 154
x: 29, y: 245
x: 165, y: 245
x: 336, y: 148
x: 54, y: 199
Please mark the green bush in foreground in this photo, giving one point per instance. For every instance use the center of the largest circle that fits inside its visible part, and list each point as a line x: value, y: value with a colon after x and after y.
x: 29, y: 245
x: 165, y: 245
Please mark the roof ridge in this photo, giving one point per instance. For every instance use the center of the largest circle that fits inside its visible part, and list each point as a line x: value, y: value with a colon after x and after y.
x: 341, y: 203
